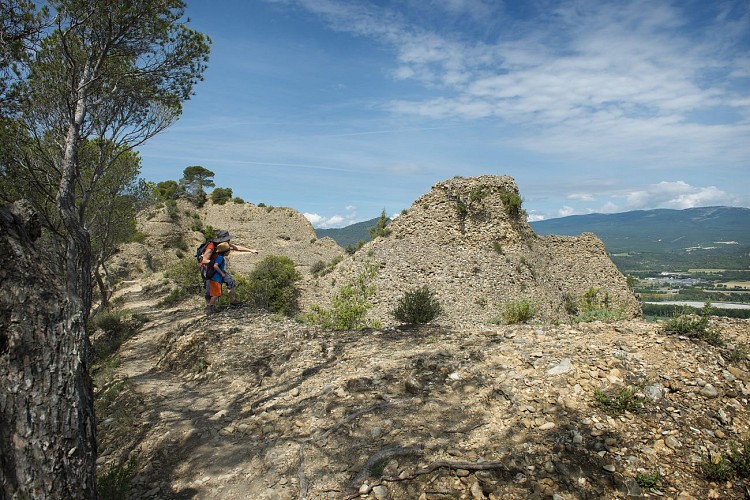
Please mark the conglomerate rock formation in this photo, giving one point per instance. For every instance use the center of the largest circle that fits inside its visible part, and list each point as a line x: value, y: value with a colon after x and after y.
x: 469, y: 242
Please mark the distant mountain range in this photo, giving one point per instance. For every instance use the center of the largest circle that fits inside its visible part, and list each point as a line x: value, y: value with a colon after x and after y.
x: 656, y: 238
x: 349, y: 235
x: 660, y: 230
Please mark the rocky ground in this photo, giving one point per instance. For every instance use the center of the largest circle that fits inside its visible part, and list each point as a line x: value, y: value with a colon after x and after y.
x: 247, y: 405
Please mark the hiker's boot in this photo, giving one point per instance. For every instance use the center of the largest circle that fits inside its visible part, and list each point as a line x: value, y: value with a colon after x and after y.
x: 211, y: 310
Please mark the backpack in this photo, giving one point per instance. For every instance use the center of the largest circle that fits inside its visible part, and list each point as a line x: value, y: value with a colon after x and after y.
x: 207, y: 270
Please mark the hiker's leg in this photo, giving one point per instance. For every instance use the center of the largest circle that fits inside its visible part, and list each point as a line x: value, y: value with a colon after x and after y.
x: 231, y: 283
x: 214, y: 291
x: 207, y: 290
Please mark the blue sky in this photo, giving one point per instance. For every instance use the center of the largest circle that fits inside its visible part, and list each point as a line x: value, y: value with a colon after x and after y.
x: 340, y: 109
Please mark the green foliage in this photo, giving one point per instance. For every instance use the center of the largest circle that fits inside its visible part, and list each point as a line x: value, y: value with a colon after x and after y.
x: 716, y: 468
x: 317, y: 267
x: 171, y: 207
x: 738, y: 353
x: 477, y: 195
x: 195, y: 180
x: 117, y: 326
x: 418, y: 306
x: 114, y: 483
x: 272, y: 284
x: 320, y: 268
x: 167, y: 190
x: 221, y: 195
x: 186, y: 279
x: 570, y: 304
x: 511, y: 203
x: 497, y: 247
x: 380, y: 227
x: 349, y: 306
x: 461, y: 208
x: 515, y: 312
x: 238, y: 200
x: 620, y: 400
x: 594, y: 306
x: 694, y: 327
x: 138, y: 237
x: 648, y: 480
x: 352, y: 249
x: 740, y: 459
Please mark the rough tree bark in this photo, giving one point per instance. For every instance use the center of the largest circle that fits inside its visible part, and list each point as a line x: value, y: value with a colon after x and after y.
x: 47, y: 426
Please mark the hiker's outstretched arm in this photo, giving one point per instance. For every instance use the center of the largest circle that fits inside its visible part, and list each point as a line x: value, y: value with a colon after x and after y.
x: 240, y: 248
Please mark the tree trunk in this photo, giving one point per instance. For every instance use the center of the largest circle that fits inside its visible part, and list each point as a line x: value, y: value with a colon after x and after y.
x: 47, y: 426
x: 78, y: 256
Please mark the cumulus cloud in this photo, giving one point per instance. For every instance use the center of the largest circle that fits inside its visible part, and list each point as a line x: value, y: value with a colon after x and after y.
x: 337, y: 220
x: 678, y: 195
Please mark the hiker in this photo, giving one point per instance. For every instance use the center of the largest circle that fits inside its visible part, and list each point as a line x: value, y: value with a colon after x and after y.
x: 207, y: 255
x: 221, y: 237
x: 213, y: 284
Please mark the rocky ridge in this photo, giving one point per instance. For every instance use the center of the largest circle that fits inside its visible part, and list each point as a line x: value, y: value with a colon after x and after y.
x: 272, y: 230
x: 468, y: 246
x: 246, y: 405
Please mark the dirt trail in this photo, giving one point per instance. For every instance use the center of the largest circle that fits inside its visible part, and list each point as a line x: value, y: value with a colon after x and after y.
x: 247, y: 405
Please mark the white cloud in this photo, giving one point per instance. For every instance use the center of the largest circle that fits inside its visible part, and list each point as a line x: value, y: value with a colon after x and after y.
x: 678, y: 195
x: 338, y: 220
x: 581, y: 197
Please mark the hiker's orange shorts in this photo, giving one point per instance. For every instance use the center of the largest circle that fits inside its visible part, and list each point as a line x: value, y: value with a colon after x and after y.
x: 214, y: 288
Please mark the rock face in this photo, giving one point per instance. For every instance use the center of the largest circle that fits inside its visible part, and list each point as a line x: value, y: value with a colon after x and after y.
x: 469, y: 242
x: 270, y: 230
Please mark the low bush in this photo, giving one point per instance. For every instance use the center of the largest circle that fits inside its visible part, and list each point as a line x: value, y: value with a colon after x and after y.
x: 515, y: 312
x: 417, y: 307
x: 694, y: 326
x: 716, y: 467
x: 648, y: 480
x: 272, y: 285
x: 349, y: 306
x: 186, y: 280
x: 593, y: 306
x: 114, y: 482
x: 620, y: 400
x: 117, y: 326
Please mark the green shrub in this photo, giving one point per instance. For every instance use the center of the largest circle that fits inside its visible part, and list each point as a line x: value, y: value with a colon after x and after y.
x: 114, y: 483
x: 352, y: 249
x: 620, y: 400
x: 317, y: 267
x: 738, y: 353
x: 138, y: 237
x: 740, y: 459
x: 380, y: 229
x: 221, y: 195
x: 716, y: 467
x: 349, y: 306
x: 511, y: 203
x: 694, y: 326
x: 118, y: 326
x: 648, y: 480
x: 272, y: 284
x: 326, y: 268
x: 418, y: 306
x: 593, y: 306
x: 186, y: 278
x: 238, y: 200
x: 497, y: 247
x: 515, y: 312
